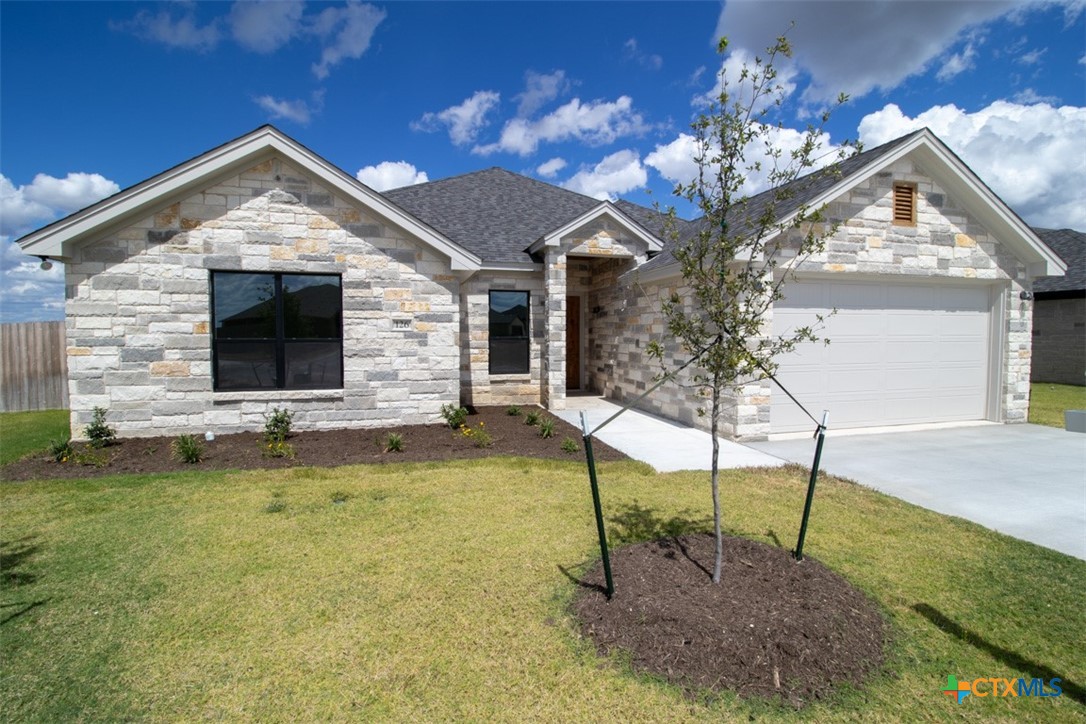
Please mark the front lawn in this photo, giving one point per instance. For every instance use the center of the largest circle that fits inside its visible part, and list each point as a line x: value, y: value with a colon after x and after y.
x: 1047, y: 402
x: 439, y: 591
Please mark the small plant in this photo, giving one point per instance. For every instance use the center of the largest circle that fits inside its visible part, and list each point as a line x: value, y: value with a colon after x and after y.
x: 570, y: 446
x: 276, y: 506
x: 278, y: 449
x: 479, y: 436
x: 98, y: 433
x: 91, y: 457
x: 188, y: 449
x: 277, y: 425
x: 532, y: 418
x: 60, y: 450
x: 512, y: 411
x: 546, y: 428
x: 454, y: 416
x: 339, y: 497
x: 394, y: 442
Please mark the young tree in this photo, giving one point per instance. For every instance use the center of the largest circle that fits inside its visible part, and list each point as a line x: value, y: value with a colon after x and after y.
x: 736, y: 264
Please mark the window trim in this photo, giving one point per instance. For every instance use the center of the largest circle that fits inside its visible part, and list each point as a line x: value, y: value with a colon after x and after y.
x: 280, y: 342
x: 527, y: 335
x: 899, y: 198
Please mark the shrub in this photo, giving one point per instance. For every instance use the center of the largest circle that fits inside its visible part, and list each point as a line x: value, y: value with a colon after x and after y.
x: 454, y: 416
x: 188, y: 449
x: 394, y: 442
x: 569, y: 445
x: 277, y: 425
x: 98, y: 433
x: 89, y: 456
x: 60, y: 450
x: 276, y: 506
x: 532, y: 418
x: 546, y: 428
x: 512, y: 411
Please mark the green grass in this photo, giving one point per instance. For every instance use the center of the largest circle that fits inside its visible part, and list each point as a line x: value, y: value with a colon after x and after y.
x: 22, y: 433
x: 1048, y: 401
x: 438, y: 592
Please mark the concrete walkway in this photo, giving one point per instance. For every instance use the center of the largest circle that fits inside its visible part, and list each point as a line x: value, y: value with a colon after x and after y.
x: 1027, y: 481
x: 665, y: 445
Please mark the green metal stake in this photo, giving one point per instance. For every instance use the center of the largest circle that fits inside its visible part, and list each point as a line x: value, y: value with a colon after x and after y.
x: 596, y: 503
x: 820, y: 433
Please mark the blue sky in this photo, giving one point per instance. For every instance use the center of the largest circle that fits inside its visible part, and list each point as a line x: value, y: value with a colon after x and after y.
x: 593, y: 96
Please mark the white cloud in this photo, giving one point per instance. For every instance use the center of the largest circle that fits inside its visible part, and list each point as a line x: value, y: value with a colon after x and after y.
x: 391, y: 175
x: 617, y: 173
x: 27, y: 292
x: 1029, y: 154
x: 650, y: 61
x: 894, y: 40
x: 540, y: 89
x: 549, y: 169
x: 464, y: 121
x: 267, y: 25
x: 740, y: 89
x: 298, y: 111
x: 47, y: 197
x: 351, y: 29
x: 1033, y: 57
x: 1030, y: 97
x: 957, y: 64
x: 182, y: 31
x: 594, y: 123
x: 675, y: 161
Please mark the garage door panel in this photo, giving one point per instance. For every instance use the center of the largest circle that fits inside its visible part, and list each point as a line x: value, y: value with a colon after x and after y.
x: 898, y: 354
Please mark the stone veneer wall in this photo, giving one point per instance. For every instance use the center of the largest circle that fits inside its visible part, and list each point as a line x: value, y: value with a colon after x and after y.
x: 1059, y: 341
x: 138, y: 311
x: 478, y: 386
x: 945, y: 243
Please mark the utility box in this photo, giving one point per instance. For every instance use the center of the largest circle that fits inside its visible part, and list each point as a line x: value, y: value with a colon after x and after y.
x: 1074, y: 420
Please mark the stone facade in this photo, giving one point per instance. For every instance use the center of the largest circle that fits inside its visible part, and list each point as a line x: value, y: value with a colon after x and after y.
x: 1059, y: 340
x: 946, y: 242
x: 138, y: 314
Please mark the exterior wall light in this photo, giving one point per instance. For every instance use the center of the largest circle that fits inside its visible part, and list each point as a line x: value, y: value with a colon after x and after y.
x: 1026, y: 296
x: 46, y: 265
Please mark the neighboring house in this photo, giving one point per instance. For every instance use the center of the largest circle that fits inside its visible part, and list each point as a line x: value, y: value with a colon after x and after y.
x: 259, y: 275
x: 1059, y: 313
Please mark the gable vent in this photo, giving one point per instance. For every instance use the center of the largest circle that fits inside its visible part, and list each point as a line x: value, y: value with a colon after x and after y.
x: 904, y: 204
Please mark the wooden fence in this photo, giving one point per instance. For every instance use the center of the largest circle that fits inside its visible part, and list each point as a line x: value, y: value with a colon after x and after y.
x: 33, y: 366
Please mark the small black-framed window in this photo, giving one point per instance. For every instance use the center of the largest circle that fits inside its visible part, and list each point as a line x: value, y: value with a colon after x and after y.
x: 510, y: 332
x: 274, y: 331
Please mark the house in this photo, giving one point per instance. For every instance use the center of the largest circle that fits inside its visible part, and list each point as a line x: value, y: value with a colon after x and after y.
x: 1059, y: 313
x: 258, y: 275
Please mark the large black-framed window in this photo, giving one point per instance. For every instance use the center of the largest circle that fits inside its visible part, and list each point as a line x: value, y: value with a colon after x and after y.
x: 276, y: 331
x: 510, y: 332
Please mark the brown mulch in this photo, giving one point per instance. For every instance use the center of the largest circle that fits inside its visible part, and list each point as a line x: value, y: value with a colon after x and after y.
x: 421, y: 443
x: 773, y: 628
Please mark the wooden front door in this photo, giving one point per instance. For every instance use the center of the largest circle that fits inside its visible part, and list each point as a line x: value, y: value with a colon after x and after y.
x: 573, y: 343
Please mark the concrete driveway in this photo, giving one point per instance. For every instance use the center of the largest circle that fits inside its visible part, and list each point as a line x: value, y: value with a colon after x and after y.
x: 1026, y: 481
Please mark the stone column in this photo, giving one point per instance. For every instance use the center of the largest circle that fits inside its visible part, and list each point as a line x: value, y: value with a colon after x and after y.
x: 554, y: 344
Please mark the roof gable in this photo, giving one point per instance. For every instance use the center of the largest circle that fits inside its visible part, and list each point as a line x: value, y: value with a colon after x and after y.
x: 1071, y: 246
x: 57, y: 239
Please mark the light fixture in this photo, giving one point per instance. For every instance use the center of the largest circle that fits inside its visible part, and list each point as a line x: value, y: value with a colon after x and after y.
x: 46, y: 265
x: 1026, y: 296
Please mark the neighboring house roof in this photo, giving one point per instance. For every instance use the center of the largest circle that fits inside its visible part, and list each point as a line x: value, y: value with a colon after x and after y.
x: 498, y: 214
x: 1071, y: 246
x: 129, y: 205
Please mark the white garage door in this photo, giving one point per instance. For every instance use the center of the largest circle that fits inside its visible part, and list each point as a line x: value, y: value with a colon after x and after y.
x: 898, y: 354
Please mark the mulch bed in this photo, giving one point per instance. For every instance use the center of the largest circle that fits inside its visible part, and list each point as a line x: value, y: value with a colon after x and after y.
x: 422, y: 443
x: 773, y: 628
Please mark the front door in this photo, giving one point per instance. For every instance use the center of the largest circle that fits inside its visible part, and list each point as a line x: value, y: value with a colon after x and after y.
x: 573, y: 343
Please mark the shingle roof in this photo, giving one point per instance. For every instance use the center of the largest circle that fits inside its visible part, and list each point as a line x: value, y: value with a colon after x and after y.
x: 494, y: 213
x: 1071, y: 246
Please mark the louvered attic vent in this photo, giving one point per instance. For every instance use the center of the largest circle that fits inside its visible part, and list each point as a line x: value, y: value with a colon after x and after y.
x: 905, y: 204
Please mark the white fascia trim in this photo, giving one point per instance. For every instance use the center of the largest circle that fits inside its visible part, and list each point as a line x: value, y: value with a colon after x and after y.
x: 605, y: 207
x: 512, y: 266
x: 56, y: 239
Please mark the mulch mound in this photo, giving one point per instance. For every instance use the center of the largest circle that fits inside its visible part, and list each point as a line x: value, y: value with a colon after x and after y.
x: 773, y: 628
x: 421, y: 443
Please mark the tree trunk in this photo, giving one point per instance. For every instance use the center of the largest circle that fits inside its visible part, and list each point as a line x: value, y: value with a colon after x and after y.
x: 715, y: 422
